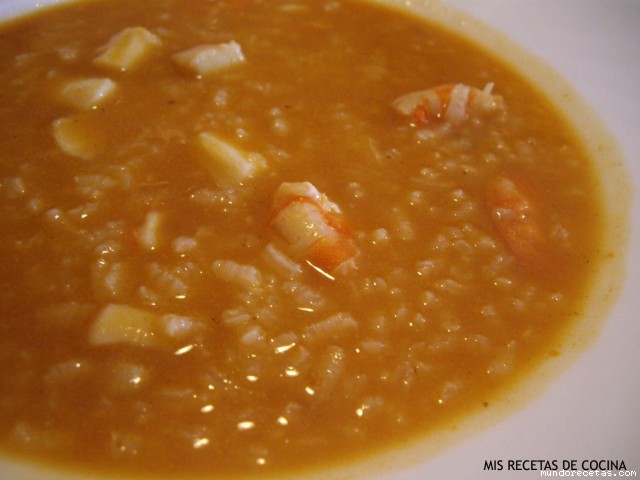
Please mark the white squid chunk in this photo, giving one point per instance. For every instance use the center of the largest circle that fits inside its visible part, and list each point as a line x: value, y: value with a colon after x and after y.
x: 120, y: 324
x: 123, y: 324
x: 87, y: 93
x: 207, y: 59
x: 127, y: 49
x: 228, y: 165
x: 76, y: 137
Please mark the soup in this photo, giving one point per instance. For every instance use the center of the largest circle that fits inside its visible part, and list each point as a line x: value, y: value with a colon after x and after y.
x: 245, y: 236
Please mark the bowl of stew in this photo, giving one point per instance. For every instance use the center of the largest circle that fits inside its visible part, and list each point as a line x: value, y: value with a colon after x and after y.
x: 316, y: 239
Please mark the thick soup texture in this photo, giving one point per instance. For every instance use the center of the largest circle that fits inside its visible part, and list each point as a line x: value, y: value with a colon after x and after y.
x: 243, y: 236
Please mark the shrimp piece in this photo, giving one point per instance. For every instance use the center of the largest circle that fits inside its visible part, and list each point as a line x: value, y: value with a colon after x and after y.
x: 514, y: 218
x: 312, y: 226
x: 453, y: 103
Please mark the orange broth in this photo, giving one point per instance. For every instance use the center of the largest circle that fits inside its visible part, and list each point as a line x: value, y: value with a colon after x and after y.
x: 155, y: 320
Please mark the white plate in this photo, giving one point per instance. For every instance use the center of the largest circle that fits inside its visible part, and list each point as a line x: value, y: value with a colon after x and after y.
x: 592, y: 411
